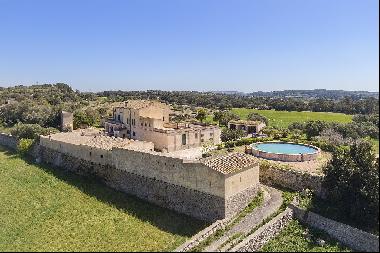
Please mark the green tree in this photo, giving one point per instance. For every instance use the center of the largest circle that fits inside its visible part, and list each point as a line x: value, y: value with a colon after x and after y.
x: 201, y: 114
x: 257, y: 117
x: 231, y: 134
x: 352, y: 183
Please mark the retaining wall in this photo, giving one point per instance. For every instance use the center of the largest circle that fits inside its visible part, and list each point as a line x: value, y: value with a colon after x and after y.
x: 265, y: 233
x: 352, y: 237
x: 295, y: 180
x: 8, y: 141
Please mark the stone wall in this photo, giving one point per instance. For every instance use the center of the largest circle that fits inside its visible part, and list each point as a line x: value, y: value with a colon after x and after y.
x: 186, y: 186
x: 352, y: 237
x: 265, y: 233
x: 8, y: 141
x: 287, y: 178
x: 203, y: 235
x: 181, y: 199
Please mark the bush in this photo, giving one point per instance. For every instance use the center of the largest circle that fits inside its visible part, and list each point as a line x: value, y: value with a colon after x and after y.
x: 31, y: 131
x: 24, y: 145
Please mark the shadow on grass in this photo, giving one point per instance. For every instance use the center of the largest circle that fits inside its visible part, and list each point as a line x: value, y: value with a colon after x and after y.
x: 160, y: 217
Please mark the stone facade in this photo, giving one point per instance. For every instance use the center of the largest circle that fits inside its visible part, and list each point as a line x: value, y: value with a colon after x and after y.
x: 149, y: 121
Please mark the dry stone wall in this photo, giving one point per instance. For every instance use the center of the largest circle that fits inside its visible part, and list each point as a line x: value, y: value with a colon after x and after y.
x: 8, y: 141
x: 352, y: 237
x: 295, y: 180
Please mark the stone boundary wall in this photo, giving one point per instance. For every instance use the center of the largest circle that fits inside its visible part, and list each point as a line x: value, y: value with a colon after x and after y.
x: 203, y: 235
x: 8, y: 141
x: 181, y: 199
x: 265, y: 233
x: 186, y: 186
x: 291, y: 179
x: 352, y: 237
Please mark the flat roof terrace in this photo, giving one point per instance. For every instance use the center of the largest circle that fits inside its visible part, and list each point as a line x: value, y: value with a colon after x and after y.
x: 95, y: 138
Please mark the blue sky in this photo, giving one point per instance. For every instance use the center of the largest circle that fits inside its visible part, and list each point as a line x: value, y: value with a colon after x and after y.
x: 245, y: 45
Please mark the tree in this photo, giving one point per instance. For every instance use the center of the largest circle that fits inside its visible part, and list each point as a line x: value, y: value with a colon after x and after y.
x: 231, y: 134
x: 352, y: 183
x: 257, y: 117
x: 201, y: 114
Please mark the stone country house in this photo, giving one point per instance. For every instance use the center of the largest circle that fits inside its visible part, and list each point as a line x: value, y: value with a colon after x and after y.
x: 147, y: 120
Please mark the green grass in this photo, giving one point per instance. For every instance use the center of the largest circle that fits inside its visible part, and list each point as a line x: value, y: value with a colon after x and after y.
x: 43, y: 209
x: 296, y: 237
x: 285, y: 118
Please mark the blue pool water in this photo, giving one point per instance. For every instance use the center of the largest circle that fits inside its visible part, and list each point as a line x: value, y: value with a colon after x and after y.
x: 285, y: 148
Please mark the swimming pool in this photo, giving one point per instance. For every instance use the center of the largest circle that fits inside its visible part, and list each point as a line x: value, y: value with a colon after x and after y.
x: 285, y: 151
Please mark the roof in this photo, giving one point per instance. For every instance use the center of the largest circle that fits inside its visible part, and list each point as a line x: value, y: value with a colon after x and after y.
x: 245, y: 122
x: 140, y: 103
x: 230, y: 163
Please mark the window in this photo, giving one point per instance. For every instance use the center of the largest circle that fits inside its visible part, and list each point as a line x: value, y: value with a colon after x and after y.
x: 128, y: 132
x: 202, y: 135
x: 149, y: 124
x: 101, y: 156
x: 134, y: 134
x: 142, y: 124
x: 183, y: 139
x: 163, y: 118
x: 145, y: 123
x: 196, y: 135
x: 211, y: 139
x: 127, y: 121
x: 202, y: 140
x: 118, y: 117
x: 211, y: 134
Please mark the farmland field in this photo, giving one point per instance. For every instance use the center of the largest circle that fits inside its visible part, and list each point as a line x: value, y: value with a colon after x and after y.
x: 285, y: 118
x: 43, y: 209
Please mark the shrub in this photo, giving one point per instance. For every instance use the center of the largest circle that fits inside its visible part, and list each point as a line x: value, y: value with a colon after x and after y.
x: 31, y: 131
x: 24, y: 145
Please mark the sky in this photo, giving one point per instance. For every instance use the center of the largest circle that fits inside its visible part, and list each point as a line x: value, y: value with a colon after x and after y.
x: 242, y: 45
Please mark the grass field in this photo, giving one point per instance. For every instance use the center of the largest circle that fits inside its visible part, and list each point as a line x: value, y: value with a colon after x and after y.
x: 296, y: 237
x: 285, y: 118
x: 42, y: 209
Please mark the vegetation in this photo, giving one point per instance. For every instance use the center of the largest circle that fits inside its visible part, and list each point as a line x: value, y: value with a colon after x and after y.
x: 43, y: 209
x: 296, y: 237
x: 352, y: 184
x: 254, y: 116
x: 282, y: 119
x: 24, y: 146
x: 30, y: 131
x: 231, y: 134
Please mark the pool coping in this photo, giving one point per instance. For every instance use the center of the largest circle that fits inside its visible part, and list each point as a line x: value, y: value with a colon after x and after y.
x: 300, y: 157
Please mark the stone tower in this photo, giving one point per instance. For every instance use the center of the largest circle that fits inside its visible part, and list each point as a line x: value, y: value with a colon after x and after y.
x: 67, y: 119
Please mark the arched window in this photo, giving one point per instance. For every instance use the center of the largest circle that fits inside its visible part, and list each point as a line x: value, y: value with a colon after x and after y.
x: 183, y: 139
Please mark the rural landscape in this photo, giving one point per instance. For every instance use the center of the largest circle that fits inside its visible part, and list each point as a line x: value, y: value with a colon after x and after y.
x: 189, y: 126
x: 46, y: 208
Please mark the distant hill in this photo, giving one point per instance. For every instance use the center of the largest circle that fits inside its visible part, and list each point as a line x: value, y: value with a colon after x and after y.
x: 317, y: 93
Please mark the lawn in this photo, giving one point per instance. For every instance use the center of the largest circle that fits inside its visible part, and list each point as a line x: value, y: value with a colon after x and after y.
x: 296, y: 237
x: 285, y: 118
x: 43, y: 209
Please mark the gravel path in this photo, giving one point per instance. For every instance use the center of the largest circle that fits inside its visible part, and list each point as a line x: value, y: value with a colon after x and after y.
x: 272, y: 202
